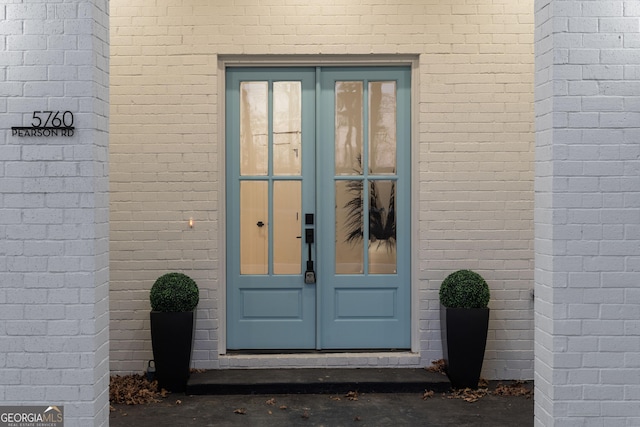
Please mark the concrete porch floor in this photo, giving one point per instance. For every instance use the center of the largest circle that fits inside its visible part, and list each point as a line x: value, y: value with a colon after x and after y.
x: 324, y: 397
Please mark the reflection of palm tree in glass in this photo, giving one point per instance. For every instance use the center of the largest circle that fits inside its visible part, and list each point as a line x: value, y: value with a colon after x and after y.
x: 381, y: 143
x: 382, y: 219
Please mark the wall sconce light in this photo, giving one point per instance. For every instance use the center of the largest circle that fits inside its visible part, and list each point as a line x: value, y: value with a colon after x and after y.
x: 190, y: 222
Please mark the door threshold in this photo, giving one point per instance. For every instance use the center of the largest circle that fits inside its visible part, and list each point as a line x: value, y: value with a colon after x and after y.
x: 315, y: 359
x: 307, y: 351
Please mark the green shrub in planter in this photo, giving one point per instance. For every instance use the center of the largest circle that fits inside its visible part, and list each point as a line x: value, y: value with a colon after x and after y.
x: 174, y: 297
x: 174, y: 292
x: 464, y: 289
x: 464, y: 319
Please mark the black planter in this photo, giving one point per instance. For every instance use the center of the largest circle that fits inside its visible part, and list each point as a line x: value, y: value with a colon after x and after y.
x: 172, y: 339
x: 464, y: 338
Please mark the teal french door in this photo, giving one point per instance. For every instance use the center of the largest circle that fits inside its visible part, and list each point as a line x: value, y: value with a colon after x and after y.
x: 318, y: 208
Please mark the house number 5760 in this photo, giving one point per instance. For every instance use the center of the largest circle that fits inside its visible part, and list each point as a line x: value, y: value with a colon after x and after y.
x: 53, y: 119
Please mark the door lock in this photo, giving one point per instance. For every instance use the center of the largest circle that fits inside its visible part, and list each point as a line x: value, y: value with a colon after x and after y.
x: 309, y: 277
x: 309, y: 237
x: 309, y: 274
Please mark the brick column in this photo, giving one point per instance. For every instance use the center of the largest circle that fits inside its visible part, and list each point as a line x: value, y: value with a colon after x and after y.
x: 54, y: 209
x: 587, y: 215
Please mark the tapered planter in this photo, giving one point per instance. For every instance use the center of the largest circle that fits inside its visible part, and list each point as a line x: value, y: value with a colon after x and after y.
x: 464, y: 338
x: 172, y: 339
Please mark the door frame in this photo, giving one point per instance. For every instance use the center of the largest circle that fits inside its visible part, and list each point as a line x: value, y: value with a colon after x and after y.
x: 261, y: 61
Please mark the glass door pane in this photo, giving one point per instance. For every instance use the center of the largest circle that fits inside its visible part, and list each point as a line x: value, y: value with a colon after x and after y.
x: 349, y: 133
x: 287, y: 128
x: 287, y: 241
x: 382, y: 227
x: 254, y: 229
x: 254, y: 128
x: 349, y: 225
x: 382, y: 127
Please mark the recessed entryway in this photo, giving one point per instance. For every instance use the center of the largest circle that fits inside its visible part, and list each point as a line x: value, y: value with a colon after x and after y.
x: 318, y: 208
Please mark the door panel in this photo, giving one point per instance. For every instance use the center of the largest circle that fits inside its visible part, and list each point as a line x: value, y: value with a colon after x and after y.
x: 332, y: 142
x: 270, y: 180
x: 364, y: 255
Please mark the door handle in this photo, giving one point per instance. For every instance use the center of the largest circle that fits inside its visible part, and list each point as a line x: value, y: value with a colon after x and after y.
x: 309, y: 274
x: 260, y: 224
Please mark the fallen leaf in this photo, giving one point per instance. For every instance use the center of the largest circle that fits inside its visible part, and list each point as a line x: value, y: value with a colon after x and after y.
x: 336, y: 398
x: 240, y: 411
x: 357, y: 419
x: 427, y: 394
x: 305, y: 414
x: 517, y: 388
x: 271, y: 401
x: 437, y: 366
x: 178, y: 402
x: 352, y: 395
x: 469, y: 395
x: 133, y: 390
x: 269, y: 412
x: 283, y: 407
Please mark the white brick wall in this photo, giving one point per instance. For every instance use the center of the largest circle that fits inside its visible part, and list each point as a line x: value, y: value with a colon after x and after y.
x: 54, y: 210
x: 587, y: 213
x: 475, y: 146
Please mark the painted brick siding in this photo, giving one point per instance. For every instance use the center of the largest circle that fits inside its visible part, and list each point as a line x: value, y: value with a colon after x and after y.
x: 54, y: 283
x: 473, y: 169
x: 587, y: 217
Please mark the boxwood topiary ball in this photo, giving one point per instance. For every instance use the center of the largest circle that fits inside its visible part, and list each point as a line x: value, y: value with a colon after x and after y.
x: 174, y: 292
x: 464, y: 289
